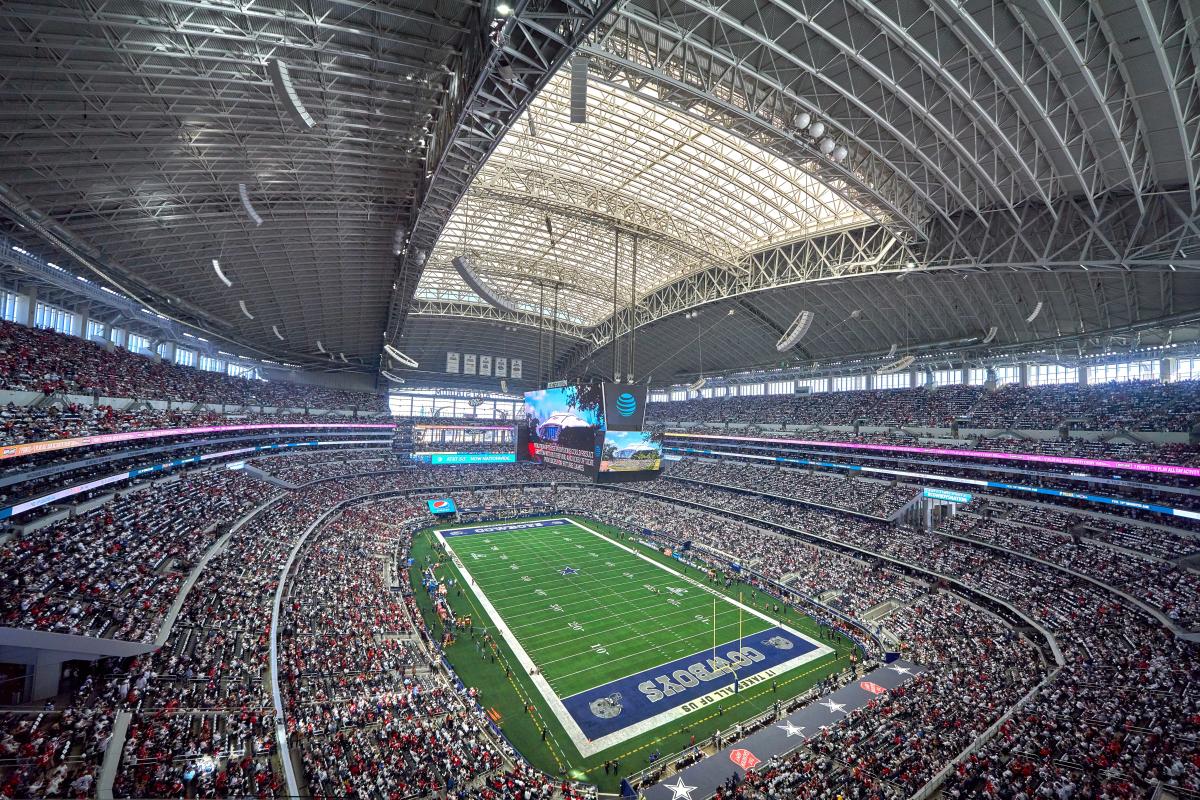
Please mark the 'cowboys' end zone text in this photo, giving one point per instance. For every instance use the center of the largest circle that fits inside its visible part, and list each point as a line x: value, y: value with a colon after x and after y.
x: 682, y: 679
x: 690, y: 683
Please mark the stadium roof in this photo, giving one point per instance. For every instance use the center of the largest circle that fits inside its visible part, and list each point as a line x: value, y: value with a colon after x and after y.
x: 545, y: 208
x: 1007, y: 153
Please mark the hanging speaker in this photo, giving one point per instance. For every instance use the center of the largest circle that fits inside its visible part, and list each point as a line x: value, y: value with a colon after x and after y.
x: 796, y: 332
x: 401, y: 358
x: 464, y: 270
x: 579, y: 79
x: 901, y: 363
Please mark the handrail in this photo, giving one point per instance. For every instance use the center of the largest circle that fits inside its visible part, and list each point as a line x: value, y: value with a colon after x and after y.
x: 935, y: 782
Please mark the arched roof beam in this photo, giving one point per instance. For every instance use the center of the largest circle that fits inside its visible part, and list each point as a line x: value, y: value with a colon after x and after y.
x: 1057, y: 113
x: 882, y: 199
x: 853, y: 54
x: 1179, y: 76
x: 1128, y: 132
x: 968, y: 100
x: 685, y: 37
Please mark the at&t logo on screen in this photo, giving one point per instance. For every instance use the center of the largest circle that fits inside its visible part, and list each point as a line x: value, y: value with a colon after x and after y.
x: 626, y: 404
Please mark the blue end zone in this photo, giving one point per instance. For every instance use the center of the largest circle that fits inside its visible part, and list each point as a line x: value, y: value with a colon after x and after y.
x: 630, y: 700
x: 514, y: 526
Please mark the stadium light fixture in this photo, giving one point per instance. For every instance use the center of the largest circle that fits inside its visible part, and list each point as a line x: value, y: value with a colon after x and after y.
x: 284, y: 86
x: 217, y: 269
x: 321, y: 347
x: 246, y: 311
x: 802, y: 120
x: 817, y: 129
x: 278, y: 335
x: 826, y: 145
x: 391, y: 377
x: 840, y: 152
x: 991, y: 334
x: 1036, y: 310
x: 246, y: 204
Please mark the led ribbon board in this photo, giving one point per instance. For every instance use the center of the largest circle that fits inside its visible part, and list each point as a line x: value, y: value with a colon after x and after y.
x: 52, y: 445
x: 1012, y: 487
x: 70, y: 491
x: 1033, y: 458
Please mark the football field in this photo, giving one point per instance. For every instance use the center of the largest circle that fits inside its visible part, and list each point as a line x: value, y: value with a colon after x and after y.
x: 616, y: 641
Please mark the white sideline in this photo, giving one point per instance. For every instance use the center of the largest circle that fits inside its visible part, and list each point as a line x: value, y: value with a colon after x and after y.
x: 585, y: 746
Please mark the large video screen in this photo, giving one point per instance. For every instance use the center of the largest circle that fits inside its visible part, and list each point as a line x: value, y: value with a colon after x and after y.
x: 464, y: 444
x: 563, y: 427
x: 631, y: 451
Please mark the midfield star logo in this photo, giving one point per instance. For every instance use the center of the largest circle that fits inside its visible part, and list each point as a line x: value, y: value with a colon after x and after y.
x: 744, y: 758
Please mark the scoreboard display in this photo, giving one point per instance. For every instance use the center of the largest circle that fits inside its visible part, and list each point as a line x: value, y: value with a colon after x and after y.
x: 594, y: 429
x: 464, y: 444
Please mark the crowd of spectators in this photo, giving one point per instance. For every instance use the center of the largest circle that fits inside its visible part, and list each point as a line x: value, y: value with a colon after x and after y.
x: 114, y: 570
x: 1072, y: 488
x: 1114, y: 449
x: 1117, y: 718
x: 304, y: 466
x: 51, y: 752
x: 1134, y: 405
x: 1174, y: 590
x: 25, y: 424
x: 895, y: 745
x: 372, y: 716
x: 934, y: 408
x: 45, y: 361
x: 863, y: 495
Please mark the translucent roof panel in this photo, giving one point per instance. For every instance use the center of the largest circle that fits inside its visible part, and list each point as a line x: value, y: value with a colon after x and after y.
x: 546, y: 209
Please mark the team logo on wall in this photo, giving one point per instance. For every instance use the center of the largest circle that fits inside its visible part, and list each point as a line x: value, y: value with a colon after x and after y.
x: 780, y: 643
x: 607, y: 707
x: 744, y: 758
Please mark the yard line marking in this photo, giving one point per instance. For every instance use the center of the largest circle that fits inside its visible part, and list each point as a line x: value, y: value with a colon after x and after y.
x: 588, y: 747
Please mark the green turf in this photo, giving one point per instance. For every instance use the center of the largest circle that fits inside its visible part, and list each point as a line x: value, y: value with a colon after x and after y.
x: 504, y: 687
x: 617, y: 616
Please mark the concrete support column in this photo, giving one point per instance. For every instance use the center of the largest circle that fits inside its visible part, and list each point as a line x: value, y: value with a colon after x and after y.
x: 42, y: 679
x: 31, y: 299
x: 1023, y: 374
x: 1083, y: 376
x: 1168, y: 368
